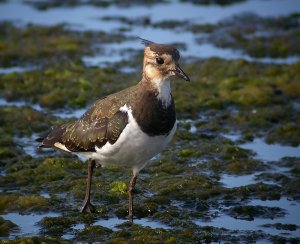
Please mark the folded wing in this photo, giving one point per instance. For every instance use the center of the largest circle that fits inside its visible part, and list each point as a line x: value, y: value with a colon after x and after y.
x: 86, y: 133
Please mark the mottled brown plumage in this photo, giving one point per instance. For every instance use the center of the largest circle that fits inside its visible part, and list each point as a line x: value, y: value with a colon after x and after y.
x: 104, y: 122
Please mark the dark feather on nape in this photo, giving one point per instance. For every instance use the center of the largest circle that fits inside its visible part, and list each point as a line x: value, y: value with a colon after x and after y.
x: 147, y: 43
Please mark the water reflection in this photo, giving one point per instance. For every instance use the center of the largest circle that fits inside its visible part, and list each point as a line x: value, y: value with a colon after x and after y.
x: 271, y: 152
x: 292, y: 217
x: 27, y: 223
x: 264, y: 151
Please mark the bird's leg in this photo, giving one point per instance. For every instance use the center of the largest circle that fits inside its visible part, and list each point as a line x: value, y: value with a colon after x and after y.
x: 130, y: 194
x: 87, y: 206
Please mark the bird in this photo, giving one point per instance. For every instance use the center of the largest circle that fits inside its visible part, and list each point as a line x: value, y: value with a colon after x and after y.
x: 127, y: 128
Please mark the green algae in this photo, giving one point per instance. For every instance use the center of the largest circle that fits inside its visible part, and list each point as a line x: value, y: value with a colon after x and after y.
x: 40, y: 45
x: 220, y: 155
x: 63, y: 80
x: 188, y: 187
x: 141, y: 235
x: 66, y: 84
x: 9, y: 152
x: 35, y: 240
x: 6, y: 227
x: 23, y: 121
x: 293, y: 168
x: 238, y: 167
x: 119, y: 187
x: 259, y: 190
x: 257, y: 91
x: 257, y: 36
x: 37, y: 175
x: 217, y: 83
x: 142, y: 209
x: 280, y: 226
x: 282, y: 240
x: 250, y: 212
x: 275, y: 177
x: 55, y: 226
x: 288, y: 133
x: 188, y: 152
x: 93, y: 234
x: 22, y: 204
x: 56, y: 42
x: 288, y: 180
x: 292, y: 188
x: 234, y: 152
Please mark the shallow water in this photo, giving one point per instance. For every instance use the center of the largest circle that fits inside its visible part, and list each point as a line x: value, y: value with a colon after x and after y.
x: 16, y: 69
x: 292, y: 217
x: 271, y: 152
x: 28, y: 223
x: 62, y: 113
x: 69, y: 113
x: 265, y: 151
x: 231, y: 181
x: 28, y: 144
x: 85, y: 17
x: 77, y: 227
x: 4, y: 102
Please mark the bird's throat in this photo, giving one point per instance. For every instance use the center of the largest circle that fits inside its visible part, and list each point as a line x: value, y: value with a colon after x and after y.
x: 163, y: 89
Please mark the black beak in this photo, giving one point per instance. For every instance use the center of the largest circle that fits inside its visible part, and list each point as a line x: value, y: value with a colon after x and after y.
x: 179, y: 72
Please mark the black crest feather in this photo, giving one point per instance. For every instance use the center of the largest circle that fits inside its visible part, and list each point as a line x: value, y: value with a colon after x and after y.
x: 147, y: 43
x: 161, y: 48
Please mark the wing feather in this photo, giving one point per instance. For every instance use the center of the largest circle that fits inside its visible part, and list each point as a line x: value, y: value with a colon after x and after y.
x: 83, y: 135
x: 103, y: 122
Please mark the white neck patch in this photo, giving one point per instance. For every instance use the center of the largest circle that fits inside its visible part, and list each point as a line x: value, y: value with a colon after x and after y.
x: 164, y: 91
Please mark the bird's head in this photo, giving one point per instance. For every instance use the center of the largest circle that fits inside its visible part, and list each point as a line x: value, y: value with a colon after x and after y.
x: 161, y: 62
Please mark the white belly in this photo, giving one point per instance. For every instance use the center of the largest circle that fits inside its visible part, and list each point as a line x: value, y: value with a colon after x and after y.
x: 133, y: 148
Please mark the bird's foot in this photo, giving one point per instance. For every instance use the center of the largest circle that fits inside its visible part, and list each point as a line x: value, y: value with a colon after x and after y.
x: 88, y: 208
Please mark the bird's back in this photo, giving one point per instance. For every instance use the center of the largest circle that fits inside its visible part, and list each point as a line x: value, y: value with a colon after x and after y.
x: 93, y: 126
x: 104, y: 121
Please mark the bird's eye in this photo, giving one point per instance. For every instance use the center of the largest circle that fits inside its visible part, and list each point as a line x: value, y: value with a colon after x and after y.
x: 159, y: 60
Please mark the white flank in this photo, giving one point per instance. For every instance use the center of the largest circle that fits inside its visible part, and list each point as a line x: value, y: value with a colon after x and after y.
x: 61, y: 146
x: 164, y: 91
x: 133, y: 148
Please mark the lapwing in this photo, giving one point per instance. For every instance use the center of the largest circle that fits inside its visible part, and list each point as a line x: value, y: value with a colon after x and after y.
x: 129, y: 127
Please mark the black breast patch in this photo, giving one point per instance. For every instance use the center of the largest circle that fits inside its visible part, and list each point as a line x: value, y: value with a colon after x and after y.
x: 153, y: 117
